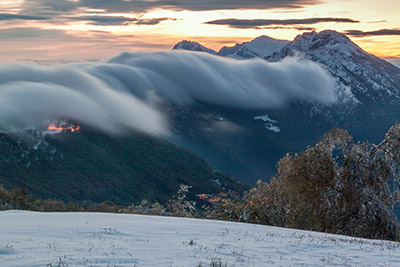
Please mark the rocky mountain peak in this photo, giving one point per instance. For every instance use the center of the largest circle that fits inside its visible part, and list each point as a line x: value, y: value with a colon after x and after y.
x: 193, y: 46
x: 328, y: 39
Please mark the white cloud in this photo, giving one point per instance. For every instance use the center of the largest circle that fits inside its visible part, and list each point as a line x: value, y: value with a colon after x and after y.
x: 120, y: 93
x: 181, y: 77
x: 31, y: 96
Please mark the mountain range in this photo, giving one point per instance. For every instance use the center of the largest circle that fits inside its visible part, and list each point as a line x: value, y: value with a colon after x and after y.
x: 85, y: 164
x: 260, y: 47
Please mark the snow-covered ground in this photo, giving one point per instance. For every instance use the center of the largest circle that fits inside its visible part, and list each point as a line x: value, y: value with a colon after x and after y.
x: 96, y: 239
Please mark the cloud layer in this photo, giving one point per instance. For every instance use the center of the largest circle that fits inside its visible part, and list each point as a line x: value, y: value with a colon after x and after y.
x: 357, y: 33
x: 180, y: 77
x: 99, y: 20
x: 120, y: 6
x: 124, y: 92
x: 6, y: 16
x: 256, y: 23
x: 31, y: 96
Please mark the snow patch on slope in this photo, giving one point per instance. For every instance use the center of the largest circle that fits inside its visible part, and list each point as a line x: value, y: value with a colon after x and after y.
x: 269, y: 123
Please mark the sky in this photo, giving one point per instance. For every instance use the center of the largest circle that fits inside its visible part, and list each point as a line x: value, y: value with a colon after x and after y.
x: 74, y: 30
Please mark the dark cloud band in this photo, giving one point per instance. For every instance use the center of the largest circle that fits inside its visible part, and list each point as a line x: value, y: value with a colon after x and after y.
x: 257, y: 23
x: 93, y: 20
x: 5, y: 16
x: 356, y: 33
x: 142, y: 6
x: 118, y: 20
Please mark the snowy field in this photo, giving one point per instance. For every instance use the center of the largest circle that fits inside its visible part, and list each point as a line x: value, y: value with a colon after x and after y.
x: 96, y: 239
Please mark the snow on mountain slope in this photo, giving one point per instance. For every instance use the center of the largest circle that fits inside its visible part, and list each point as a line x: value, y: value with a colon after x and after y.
x: 96, y: 239
x: 394, y: 61
x: 367, y: 76
x: 261, y: 47
x: 193, y: 46
x: 269, y: 123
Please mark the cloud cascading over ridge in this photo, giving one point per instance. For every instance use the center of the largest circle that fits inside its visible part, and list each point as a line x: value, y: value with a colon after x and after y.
x: 31, y: 96
x: 180, y: 77
x: 125, y: 91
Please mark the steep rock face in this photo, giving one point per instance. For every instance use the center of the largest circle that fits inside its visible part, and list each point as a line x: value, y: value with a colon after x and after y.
x: 193, y: 46
x: 261, y: 47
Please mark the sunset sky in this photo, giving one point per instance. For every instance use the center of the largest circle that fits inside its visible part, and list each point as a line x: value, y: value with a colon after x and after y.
x: 72, y: 30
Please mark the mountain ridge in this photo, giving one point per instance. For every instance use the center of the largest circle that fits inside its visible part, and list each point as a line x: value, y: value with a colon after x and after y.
x: 262, y: 47
x: 369, y: 104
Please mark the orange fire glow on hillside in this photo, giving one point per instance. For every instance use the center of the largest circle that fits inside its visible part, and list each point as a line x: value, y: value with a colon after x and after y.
x: 63, y: 127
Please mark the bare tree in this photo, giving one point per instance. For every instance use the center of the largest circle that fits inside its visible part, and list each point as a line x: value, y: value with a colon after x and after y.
x: 336, y: 186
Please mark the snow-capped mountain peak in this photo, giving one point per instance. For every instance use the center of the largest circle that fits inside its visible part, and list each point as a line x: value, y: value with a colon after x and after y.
x: 323, y: 38
x: 369, y: 77
x: 262, y: 47
x: 193, y: 46
x: 336, y: 42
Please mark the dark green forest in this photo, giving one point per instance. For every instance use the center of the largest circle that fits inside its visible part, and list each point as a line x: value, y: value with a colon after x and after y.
x: 89, y: 166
